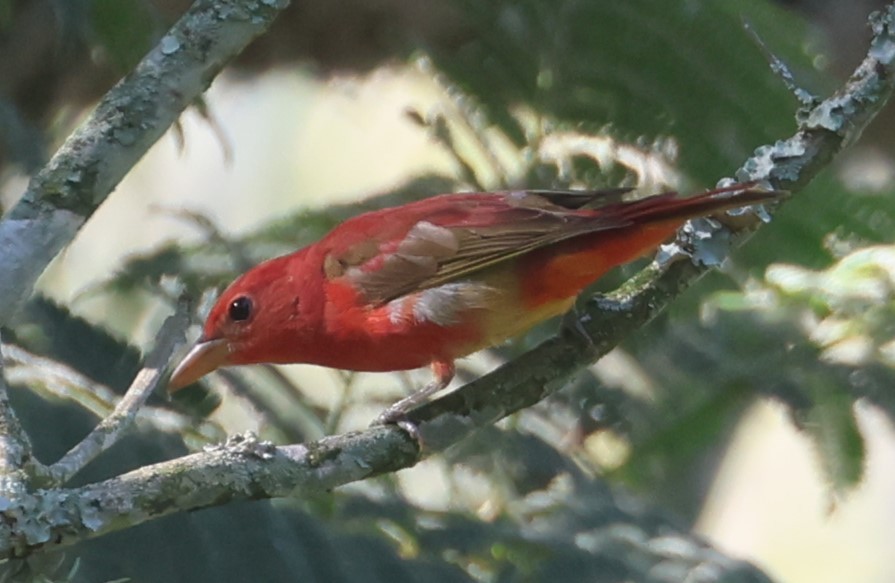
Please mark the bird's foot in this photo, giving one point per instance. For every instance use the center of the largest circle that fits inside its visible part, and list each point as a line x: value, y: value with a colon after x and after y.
x: 397, y: 413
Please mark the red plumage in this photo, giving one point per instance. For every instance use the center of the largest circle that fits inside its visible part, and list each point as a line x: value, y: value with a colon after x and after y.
x: 434, y: 280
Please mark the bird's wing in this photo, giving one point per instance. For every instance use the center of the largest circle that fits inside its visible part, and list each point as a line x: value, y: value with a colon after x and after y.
x: 453, y: 237
x: 443, y: 247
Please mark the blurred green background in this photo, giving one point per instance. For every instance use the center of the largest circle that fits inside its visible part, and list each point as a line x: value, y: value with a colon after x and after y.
x: 756, y: 412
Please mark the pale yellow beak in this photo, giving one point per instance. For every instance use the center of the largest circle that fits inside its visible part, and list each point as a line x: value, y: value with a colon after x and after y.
x: 205, y: 356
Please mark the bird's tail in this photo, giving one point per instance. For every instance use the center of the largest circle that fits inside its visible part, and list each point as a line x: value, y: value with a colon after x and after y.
x: 670, y: 206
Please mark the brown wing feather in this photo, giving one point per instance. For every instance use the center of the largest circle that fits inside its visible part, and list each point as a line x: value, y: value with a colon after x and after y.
x: 431, y: 255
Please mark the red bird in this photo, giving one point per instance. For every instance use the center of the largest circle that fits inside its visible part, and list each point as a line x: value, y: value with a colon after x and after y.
x: 432, y: 281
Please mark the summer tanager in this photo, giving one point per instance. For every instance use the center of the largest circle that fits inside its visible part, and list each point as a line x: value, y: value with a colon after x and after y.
x: 431, y: 281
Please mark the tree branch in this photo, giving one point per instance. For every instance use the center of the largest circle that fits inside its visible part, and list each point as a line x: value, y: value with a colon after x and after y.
x: 241, y: 468
x: 244, y: 468
x: 129, y: 119
x: 787, y: 164
x: 15, y: 447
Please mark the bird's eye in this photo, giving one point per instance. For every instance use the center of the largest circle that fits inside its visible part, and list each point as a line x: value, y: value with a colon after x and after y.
x: 240, y: 309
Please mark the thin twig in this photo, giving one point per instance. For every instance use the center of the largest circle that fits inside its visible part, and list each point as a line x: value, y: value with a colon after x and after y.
x: 55, y: 380
x: 15, y: 447
x: 110, y: 429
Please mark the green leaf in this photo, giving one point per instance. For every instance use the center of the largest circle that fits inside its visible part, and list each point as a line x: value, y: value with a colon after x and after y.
x: 125, y: 29
x: 642, y: 68
x: 834, y: 430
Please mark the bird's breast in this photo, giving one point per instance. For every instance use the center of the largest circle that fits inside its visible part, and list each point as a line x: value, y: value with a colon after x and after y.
x: 443, y: 322
x: 408, y: 332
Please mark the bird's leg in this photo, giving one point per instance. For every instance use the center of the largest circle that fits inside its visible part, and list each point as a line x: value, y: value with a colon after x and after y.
x: 444, y: 373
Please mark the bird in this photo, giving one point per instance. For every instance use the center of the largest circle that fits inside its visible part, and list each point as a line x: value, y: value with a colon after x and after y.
x: 429, y: 282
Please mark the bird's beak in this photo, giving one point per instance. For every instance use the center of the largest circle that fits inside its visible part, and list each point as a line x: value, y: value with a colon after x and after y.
x: 205, y: 356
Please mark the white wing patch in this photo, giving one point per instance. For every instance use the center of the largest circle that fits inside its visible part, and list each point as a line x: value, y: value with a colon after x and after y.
x: 442, y: 305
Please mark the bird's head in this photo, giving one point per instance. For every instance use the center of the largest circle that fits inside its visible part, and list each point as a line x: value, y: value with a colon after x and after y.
x: 260, y: 317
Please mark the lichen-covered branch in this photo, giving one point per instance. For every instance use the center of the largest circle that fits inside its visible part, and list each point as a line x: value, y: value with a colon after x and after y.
x: 242, y: 468
x: 246, y: 469
x: 128, y: 120
x: 787, y: 164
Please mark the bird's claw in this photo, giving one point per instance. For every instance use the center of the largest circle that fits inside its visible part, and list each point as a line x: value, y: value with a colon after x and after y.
x: 391, y: 415
x: 410, y: 427
x: 397, y: 415
x: 397, y: 412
